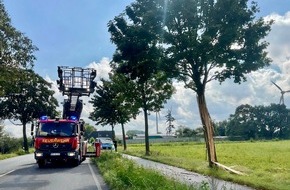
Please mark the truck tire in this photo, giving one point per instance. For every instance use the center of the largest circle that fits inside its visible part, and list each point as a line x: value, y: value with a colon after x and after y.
x: 41, y: 163
x: 77, y: 161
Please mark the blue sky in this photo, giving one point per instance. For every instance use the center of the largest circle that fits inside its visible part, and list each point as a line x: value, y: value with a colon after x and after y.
x: 74, y: 33
x: 67, y: 32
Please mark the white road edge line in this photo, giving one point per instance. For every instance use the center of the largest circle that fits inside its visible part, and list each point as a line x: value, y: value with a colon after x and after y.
x: 95, y: 178
x: 7, y: 173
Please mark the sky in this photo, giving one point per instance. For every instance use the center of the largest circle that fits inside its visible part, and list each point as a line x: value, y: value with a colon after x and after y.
x: 74, y: 33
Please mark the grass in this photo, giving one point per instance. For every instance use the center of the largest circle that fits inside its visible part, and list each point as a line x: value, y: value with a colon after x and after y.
x: 266, y: 164
x: 123, y: 174
x: 13, y: 154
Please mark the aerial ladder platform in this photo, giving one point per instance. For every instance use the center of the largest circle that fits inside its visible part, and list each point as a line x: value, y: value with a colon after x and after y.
x: 75, y: 82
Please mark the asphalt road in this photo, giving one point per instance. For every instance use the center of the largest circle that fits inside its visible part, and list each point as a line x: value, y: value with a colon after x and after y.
x: 23, y: 173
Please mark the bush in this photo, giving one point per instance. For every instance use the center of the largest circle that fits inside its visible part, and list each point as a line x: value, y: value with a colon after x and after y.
x: 9, y: 144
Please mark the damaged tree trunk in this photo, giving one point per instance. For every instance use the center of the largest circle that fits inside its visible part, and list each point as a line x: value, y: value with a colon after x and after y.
x: 208, y: 129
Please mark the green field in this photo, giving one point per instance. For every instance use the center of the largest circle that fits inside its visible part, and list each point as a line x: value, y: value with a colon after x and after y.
x: 266, y: 165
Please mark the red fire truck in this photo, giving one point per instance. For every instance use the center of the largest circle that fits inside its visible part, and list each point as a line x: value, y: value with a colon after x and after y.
x: 61, y: 139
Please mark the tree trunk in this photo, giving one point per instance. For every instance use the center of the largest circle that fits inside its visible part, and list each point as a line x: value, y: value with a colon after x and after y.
x: 113, y: 133
x: 208, y: 129
x: 145, y: 109
x: 147, y: 148
x: 25, y: 144
x: 124, y: 137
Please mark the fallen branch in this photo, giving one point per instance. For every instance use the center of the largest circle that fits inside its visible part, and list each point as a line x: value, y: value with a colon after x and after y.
x: 228, y: 168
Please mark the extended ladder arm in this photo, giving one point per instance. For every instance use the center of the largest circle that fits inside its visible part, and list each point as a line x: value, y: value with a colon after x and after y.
x: 75, y: 82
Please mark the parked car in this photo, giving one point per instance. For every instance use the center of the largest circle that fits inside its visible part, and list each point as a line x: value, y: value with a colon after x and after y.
x: 106, y: 143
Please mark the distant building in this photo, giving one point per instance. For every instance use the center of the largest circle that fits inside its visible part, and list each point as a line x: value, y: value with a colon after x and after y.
x: 110, y: 134
x: 157, y: 136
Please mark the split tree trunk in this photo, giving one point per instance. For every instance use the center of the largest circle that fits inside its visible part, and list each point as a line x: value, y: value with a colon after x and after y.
x: 208, y: 129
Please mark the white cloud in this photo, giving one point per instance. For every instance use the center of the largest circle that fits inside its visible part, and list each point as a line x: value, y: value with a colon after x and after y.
x: 103, y: 68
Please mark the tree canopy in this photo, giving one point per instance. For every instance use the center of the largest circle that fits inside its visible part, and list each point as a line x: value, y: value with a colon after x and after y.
x: 259, y: 122
x: 139, y: 57
x: 113, y: 102
x: 197, y: 40
x: 30, y: 98
x: 16, y: 50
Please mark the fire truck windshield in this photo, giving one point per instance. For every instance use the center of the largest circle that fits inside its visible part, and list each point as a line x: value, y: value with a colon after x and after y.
x: 56, y: 129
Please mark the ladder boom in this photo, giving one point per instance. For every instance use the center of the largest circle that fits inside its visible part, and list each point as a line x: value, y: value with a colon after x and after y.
x: 75, y: 82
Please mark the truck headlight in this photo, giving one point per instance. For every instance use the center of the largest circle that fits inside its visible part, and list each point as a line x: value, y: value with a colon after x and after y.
x: 71, y: 153
x: 39, y: 154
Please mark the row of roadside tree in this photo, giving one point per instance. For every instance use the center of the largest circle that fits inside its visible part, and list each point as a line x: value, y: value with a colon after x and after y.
x: 157, y: 42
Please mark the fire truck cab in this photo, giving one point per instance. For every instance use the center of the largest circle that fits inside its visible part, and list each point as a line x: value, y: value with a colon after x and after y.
x: 59, y: 140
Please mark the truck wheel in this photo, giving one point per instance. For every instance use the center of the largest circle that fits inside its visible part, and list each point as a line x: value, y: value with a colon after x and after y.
x: 77, y: 161
x: 41, y: 163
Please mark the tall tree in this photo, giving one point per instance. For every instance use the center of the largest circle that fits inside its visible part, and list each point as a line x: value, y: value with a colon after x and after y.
x: 273, y: 121
x: 259, y: 122
x: 30, y: 98
x: 244, y: 123
x: 89, y: 130
x: 16, y: 51
x: 210, y: 40
x: 139, y: 55
x: 113, y: 103
x: 104, y: 112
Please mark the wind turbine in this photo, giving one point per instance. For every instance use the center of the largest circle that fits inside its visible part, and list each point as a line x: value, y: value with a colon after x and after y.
x: 282, y: 93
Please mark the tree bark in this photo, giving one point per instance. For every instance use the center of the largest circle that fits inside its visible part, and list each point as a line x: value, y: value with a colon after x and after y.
x: 208, y: 129
x: 25, y: 144
x: 124, y: 137
x: 147, y: 148
x: 145, y: 110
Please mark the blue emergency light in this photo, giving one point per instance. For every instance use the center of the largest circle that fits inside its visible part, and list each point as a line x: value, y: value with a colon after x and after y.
x: 74, y: 118
x: 44, y: 117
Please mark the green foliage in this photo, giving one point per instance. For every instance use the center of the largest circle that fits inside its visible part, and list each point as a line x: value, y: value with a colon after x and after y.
x: 195, y: 41
x: 259, y: 122
x: 89, y: 129
x: 139, y: 57
x: 30, y: 98
x: 16, y: 51
x: 220, y: 128
x: 214, y: 40
x: 7, y: 143
x: 121, y: 173
x: 92, y: 140
x: 132, y: 133
x: 112, y: 103
x: 183, y: 131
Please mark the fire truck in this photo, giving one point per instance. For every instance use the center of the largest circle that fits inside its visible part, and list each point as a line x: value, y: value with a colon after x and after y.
x: 62, y: 139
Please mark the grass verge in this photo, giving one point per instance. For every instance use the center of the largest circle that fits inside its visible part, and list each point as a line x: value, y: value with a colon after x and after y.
x: 265, y: 163
x: 123, y: 174
x: 14, y: 154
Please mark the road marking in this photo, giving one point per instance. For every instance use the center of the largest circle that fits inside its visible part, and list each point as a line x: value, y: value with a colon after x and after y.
x: 95, y: 177
x: 7, y: 173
